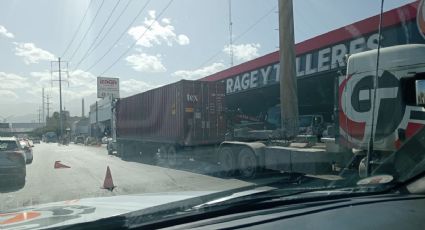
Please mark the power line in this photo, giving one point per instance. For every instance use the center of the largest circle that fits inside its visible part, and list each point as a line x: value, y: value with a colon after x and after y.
x: 119, y: 38
x: 135, y: 42
x: 100, y: 32
x: 109, y: 30
x: 87, y: 31
x: 241, y: 35
x: 78, y: 28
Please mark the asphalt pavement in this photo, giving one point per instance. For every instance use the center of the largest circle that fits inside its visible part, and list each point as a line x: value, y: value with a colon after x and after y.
x: 86, y: 174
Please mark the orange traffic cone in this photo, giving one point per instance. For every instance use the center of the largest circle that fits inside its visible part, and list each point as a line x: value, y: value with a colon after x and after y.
x: 59, y: 165
x: 108, y: 183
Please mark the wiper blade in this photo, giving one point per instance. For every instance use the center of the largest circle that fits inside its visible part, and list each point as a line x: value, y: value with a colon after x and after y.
x: 271, y: 194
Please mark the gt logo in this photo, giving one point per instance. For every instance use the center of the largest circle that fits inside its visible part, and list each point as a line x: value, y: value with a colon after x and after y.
x: 356, y: 104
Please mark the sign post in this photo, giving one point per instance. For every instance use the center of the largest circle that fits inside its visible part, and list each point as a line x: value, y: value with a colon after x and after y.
x: 107, y: 87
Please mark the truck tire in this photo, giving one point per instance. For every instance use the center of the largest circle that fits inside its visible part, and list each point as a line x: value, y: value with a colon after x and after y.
x: 20, y: 181
x: 248, y: 163
x: 363, y: 168
x: 162, y: 158
x: 124, y: 151
x: 172, y: 156
x: 119, y: 149
x: 227, y: 160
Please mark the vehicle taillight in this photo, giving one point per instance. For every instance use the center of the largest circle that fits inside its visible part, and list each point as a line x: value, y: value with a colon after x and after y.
x: 14, y: 155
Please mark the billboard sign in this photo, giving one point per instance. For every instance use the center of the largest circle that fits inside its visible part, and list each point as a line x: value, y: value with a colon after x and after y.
x: 107, y: 87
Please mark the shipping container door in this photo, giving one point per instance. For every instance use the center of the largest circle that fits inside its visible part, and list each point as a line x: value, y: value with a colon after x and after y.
x: 211, y: 107
x: 190, y: 98
x: 219, y: 117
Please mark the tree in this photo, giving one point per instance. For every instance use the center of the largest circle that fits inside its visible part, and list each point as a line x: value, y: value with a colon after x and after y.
x: 52, y: 125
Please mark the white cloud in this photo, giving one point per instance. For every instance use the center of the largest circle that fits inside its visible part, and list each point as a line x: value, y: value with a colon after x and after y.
x: 80, y: 78
x: 81, y: 84
x: 158, y: 33
x: 202, y: 72
x: 182, y: 40
x: 243, y: 52
x: 146, y: 63
x: 132, y: 86
x: 7, y: 95
x: 31, y: 53
x: 4, y: 32
x: 10, y: 81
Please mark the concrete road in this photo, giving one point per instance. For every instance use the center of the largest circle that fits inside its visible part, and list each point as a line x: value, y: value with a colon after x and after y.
x: 87, y: 172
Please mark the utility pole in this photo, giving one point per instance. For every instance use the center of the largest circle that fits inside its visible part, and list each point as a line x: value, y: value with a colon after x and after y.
x: 59, y: 71
x: 288, y: 81
x: 48, y: 106
x: 82, y: 108
x: 230, y: 33
x: 97, y: 123
x: 60, y: 97
x: 39, y: 115
x: 42, y: 105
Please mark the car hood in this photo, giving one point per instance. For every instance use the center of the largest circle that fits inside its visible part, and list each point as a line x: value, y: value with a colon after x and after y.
x: 71, y: 212
x: 87, y: 209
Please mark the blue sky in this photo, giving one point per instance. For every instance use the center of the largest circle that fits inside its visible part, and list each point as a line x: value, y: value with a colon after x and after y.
x: 188, y: 40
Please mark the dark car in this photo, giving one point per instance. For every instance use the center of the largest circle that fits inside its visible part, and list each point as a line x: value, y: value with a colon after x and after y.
x: 12, y: 160
x: 50, y: 137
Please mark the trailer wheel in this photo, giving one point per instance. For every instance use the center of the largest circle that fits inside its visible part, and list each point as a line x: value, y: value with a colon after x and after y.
x: 248, y: 164
x: 172, y: 156
x: 227, y: 161
x: 163, y: 156
x: 363, y: 168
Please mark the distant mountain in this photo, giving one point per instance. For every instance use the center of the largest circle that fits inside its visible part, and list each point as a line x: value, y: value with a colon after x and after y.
x: 25, y: 118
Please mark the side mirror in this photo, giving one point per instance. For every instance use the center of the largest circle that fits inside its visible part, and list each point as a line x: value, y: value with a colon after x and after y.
x: 401, y: 134
x: 420, y: 92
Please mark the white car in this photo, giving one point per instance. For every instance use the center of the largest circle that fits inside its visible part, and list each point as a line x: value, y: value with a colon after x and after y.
x: 26, y: 146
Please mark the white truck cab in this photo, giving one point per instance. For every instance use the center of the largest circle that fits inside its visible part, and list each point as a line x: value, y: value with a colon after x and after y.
x: 397, y: 114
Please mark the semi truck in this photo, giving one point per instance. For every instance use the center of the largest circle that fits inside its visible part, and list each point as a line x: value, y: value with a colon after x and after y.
x: 174, y: 121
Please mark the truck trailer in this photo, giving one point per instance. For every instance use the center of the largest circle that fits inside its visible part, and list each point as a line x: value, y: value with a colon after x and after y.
x: 185, y: 114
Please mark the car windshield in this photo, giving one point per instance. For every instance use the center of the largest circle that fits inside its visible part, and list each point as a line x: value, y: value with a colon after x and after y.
x: 116, y: 101
x: 7, y: 145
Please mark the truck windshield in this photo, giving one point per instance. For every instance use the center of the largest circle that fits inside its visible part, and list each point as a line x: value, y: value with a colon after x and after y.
x: 8, y: 145
x: 305, y: 121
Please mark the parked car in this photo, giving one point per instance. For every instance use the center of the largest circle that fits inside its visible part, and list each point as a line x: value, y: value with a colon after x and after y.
x: 90, y: 141
x: 104, y: 140
x: 36, y: 140
x: 79, y: 140
x: 12, y: 160
x: 27, y: 147
x: 50, y: 137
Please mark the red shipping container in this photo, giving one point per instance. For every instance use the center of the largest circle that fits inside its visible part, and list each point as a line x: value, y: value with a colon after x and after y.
x: 186, y: 113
